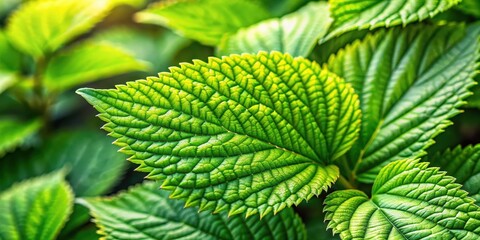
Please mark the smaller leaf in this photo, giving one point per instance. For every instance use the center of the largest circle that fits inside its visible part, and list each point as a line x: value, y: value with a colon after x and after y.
x: 206, y: 21
x: 463, y: 164
x: 146, y: 212
x: 296, y: 33
x: 9, y: 57
x: 14, y: 132
x: 41, y: 27
x: 409, y: 201
x: 36, y: 208
x: 88, y: 62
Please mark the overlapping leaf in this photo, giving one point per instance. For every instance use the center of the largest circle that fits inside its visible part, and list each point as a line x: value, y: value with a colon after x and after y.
x: 409, y: 201
x: 146, y: 212
x: 296, y: 33
x: 252, y: 133
x: 410, y: 82
x: 88, y: 62
x: 369, y: 14
x: 41, y: 27
x: 463, y: 164
x: 14, y: 132
x: 35, y: 209
x: 206, y: 21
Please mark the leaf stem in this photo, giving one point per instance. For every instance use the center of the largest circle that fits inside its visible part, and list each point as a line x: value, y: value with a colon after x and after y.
x: 42, y: 100
x: 345, y: 183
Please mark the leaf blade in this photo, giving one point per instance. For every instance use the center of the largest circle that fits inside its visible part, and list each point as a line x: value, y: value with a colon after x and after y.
x: 291, y: 34
x: 409, y: 201
x: 27, y: 27
x: 88, y: 62
x: 172, y: 221
x: 204, y: 20
x: 463, y: 164
x: 370, y: 14
x: 226, y: 126
x: 35, y: 209
x: 410, y: 82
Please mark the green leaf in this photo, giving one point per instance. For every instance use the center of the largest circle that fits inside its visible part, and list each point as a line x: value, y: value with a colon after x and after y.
x: 410, y: 81
x: 409, y: 201
x: 252, y: 133
x: 14, y: 132
x: 471, y: 7
x: 87, y: 62
x: 146, y: 212
x: 95, y: 165
x: 463, y: 164
x: 293, y: 33
x: 40, y: 28
x: 157, y: 48
x: 35, y: 209
x: 206, y: 21
x: 369, y: 14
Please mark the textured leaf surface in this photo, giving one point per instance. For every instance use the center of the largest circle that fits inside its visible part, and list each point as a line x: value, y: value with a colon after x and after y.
x: 369, y: 14
x: 206, y: 21
x: 35, y: 209
x: 463, y: 164
x: 409, y: 201
x: 41, y: 27
x: 296, y: 33
x: 94, y: 164
x: 14, y: 132
x: 146, y: 212
x: 158, y: 49
x: 251, y: 133
x: 88, y: 62
x: 410, y: 82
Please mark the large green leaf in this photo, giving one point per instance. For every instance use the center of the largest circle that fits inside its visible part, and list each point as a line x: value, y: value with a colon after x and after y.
x: 206, y: 21
x: 95, y: 165
x: 146, y: 212
x: 157, y: 48
x: 251, y: 133
x: 410, y: 82
x: 409, y: 201
x: 296, y: 33
x: 87, y: 62
x: 369, y: 14
x: 35, y: 209
x: 463, y: 164
x: 14, y: 132
x: 41, y: 27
